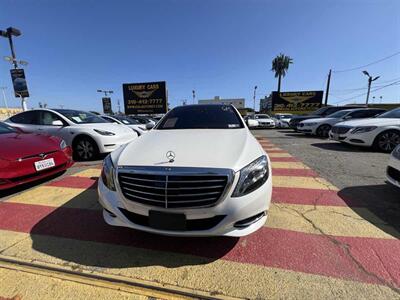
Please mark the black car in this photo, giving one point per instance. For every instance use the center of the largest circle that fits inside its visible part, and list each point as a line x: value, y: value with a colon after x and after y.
x: 320, y: 113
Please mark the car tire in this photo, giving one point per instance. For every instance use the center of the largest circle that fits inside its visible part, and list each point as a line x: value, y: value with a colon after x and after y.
x: 323, y: 130
x: 386, y: 141
x: 85, y: 148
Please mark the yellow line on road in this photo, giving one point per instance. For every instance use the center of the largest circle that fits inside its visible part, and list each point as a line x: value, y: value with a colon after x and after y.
x: 279, y: 154
x: 330, y: 220
x: 58, y: 196
x: 302, y: 182
x: 88, y: 173
x: 288, y: 165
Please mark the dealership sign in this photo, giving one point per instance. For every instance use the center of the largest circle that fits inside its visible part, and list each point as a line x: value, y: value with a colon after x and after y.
x: 107, y: 105
x: 296, y: 101
x: 145, y: 98
x: 19, y: 83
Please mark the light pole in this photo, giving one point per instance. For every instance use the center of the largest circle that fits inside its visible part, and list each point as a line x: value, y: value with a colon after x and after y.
x: 9, y: 33
x: 105, y: 92
x: 3, y: 88
x: 370, y: 79
x: 254, y: 101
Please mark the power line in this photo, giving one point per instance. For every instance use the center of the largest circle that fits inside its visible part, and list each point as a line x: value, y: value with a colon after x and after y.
x: 363, y: 94
x: 372, y: 63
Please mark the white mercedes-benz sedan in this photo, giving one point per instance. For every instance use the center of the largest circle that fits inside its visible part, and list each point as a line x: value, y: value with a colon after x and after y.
x: 199, y: 172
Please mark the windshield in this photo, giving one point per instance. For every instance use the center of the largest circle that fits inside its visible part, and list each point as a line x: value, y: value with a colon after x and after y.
x: 127, y: 120
x: 320, y: 111
x: 394, y: 113
x: 201, y: 117
x: 4, y: 128
x: 80, y: 117
x: 339, y: 114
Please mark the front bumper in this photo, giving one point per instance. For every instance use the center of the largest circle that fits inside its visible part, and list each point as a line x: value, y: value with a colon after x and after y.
x: 233, y: 210
x: 108, y: 144
x: 393, y: 171
x: 359, y: 139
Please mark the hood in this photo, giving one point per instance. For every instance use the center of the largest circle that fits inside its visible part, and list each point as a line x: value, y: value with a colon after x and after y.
x: 18, y: 145
x: 264, y: 119
x: 301, y: 118
x: 373, y: 122
x: 115, y: 128
x: 208, y: 148
x: 318, y: 120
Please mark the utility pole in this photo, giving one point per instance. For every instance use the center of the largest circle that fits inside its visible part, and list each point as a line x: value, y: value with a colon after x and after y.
x: 119, y: 107
x: 194, y: 96
x: 370, y: 79
x: 327, y: 87
x: 254, y: 100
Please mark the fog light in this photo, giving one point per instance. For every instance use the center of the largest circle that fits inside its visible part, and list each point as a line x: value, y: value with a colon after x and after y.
x: 247, y: 222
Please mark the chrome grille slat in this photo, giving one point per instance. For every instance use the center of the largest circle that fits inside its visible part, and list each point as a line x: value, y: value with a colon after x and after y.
x: 174, y: 187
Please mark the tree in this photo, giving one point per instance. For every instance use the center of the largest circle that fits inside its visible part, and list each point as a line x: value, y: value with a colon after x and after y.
x: 280, y: 65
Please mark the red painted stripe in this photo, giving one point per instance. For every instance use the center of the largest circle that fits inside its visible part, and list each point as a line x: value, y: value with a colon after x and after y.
x: 311, y: 197
x: 75, y: 182
x: 294, y: 172
x: 284, y: 159
x: 275, y: 151
x: 301, y: 252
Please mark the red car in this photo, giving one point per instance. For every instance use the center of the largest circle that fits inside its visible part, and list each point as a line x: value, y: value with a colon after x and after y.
x: 25, y: 157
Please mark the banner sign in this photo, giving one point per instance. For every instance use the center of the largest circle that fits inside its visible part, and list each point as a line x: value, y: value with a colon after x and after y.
x: 296, y: 101
x: 145, y: 98
x: 107, y: 105
x: 19, y: 83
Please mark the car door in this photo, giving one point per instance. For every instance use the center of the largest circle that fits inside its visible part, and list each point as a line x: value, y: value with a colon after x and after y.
x: 28, y: 121
x: 46, y: 119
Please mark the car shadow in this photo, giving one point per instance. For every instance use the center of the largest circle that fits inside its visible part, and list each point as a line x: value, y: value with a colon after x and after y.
x: 84, y: 238
x: 382, y: 203
x: 29, y: 185
x: 341, y: 147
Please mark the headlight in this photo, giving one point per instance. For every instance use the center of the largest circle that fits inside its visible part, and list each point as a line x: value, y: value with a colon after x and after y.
x: 363, y: 129
x: 252, y: 177
x: 396, y: 152
x: 104, y: 132
x: 63, y: 145
x: 108, y: 173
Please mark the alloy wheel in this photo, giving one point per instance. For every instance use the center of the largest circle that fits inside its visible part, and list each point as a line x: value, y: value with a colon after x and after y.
x: 388, y: 141
x: 85, y: 149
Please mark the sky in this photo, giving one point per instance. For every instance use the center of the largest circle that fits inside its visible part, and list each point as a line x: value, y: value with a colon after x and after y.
x: 215, y: 47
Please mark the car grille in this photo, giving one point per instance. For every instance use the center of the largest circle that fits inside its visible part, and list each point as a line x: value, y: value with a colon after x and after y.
x: 340, y: 129
x: 174, y: 187
x: 395, y: 174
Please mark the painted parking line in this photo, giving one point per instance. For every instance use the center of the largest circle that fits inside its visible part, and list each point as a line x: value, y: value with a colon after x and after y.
x: 303, y: 182
x: 288, y: 165
x: 219, y: 276
x: 294, y: 172
x: 324, y: 257
x: 75, y: 182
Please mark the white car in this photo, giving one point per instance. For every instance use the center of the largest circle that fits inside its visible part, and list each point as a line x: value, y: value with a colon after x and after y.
x: 264, y: 121
x: 199, y: 172
x: 282, y: 120
x: 393, y: 169
x: 139, y: 128
x: 382, y: 132
x: 87, y: 133
x: 322, y: 126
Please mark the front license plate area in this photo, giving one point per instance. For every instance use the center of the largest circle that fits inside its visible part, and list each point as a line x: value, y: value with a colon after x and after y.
x: 44, y: 164
x: 167, y: 221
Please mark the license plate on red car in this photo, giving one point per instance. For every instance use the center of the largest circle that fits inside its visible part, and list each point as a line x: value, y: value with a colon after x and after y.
x: 44, y: 164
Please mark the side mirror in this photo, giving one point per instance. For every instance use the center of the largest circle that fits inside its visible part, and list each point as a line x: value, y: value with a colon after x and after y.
x: 149, y: 126
x: 252, y: 123
x: 57, y: 123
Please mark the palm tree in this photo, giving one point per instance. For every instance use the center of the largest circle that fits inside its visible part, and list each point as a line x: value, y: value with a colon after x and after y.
x: 280, y: 65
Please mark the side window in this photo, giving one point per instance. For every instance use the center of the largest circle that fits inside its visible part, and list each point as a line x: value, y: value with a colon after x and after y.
x: 364, y: 114
x: 47, y: 118
x: 28, y: 117
x: 331, y: 110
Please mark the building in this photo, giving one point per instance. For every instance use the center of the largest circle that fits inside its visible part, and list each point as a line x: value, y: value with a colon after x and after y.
x: 239, y: 103
x: 266, y: 104
x: 5, y: 113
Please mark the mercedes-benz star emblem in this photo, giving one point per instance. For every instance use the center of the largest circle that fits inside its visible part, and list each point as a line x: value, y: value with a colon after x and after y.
x: 171, y: 156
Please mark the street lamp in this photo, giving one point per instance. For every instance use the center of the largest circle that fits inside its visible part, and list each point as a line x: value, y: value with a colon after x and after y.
x: 254, y: 100
x: 11, y: 60
x: 9, y: 33
x: 105, y: 92
x: 370, y: 79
